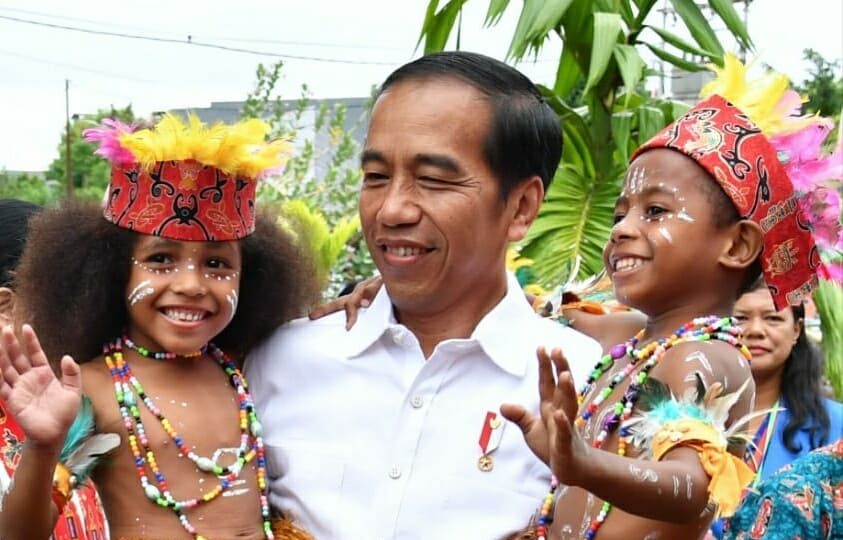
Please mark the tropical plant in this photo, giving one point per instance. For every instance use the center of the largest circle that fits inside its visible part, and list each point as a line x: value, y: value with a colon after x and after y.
x: 28, y: 187
x: 597, y: 93
x: 829, y: 302
x: 90, y: 173
x: 328, y: 244
x: 323, y: 178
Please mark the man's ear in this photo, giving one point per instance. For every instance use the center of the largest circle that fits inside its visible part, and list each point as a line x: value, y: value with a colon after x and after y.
x: 744, y: 245
x: 7, y: 306
x: 524, y: 201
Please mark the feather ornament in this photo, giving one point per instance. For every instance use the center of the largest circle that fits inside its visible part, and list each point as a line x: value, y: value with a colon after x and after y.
x: 768, y: 100
x: 658, y: 406
x: 813, y: 175
x: 82, y: 448
x: 107, y: 136
x: 239, y: 149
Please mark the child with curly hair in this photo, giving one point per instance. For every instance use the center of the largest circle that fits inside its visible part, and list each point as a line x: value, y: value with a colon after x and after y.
x: 160, y: 301
x: 649, y: 446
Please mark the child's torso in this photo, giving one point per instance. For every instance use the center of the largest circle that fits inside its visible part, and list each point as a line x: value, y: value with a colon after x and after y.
x: 577, y: 508
x: 202, y: 408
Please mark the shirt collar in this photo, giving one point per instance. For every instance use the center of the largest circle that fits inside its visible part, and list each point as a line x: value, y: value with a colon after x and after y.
x: 496, y: 333
x: 371, y: 324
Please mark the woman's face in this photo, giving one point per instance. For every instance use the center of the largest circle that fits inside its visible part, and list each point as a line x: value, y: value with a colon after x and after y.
x: 769, y: 334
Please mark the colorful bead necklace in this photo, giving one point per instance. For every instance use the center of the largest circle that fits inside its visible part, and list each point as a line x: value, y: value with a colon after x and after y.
x: 643, y: 359
x: 251, y: 441
x: 143, y: 351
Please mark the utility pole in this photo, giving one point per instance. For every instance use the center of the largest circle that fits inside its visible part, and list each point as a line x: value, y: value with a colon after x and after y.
x: 68, y: 160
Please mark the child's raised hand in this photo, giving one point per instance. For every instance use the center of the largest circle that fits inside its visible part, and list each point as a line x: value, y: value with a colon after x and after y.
x: 43, y: 405
x: 552, y: 435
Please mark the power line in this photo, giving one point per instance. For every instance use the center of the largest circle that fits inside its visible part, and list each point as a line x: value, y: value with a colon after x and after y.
x: 190, y: 41
x: 217, y: 38
x: 74, y: 19
x: 72, y: 66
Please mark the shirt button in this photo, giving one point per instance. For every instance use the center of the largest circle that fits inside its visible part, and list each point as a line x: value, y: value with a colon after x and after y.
x: 395, y: 473
x: 417, y: 402
x: 398, y: 338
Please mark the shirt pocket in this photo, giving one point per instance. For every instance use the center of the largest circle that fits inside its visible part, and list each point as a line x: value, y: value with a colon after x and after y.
x: 306, y: 481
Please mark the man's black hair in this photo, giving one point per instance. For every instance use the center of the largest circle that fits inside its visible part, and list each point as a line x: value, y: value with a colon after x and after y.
x: 525, y: 135
x: 14, y: 216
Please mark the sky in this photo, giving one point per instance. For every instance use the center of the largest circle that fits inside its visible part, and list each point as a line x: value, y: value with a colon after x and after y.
x: 339, y: 48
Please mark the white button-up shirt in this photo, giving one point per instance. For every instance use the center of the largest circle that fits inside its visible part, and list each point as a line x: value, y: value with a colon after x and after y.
x: 367, y: 440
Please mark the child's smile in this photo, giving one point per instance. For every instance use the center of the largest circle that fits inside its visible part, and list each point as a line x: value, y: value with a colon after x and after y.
x: 657, y: 243
x: 181, y: 294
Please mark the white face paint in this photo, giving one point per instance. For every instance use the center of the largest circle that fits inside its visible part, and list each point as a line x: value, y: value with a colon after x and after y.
x: 232, y: 298
x: 689, y: 486
x: 675, y: 486
x: 151, y: 270
x: 643, y: 475
x: 699, y: 356
x: 655, y: 535
x: 140, y: 292
x: 635, y: 180
x: 666, y: 234
x: 683, y: 215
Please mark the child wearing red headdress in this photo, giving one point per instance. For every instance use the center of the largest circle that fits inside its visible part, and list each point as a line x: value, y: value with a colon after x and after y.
x: 650, y: 446
x: 159, y: 295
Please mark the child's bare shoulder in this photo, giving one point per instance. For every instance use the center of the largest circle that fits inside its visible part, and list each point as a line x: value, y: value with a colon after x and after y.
x: 94, y: 374
x: 609, y: 329
x: 713, y: 361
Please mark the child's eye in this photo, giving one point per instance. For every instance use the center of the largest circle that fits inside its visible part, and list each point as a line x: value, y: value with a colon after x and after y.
x: 654, y: 210
x: 617, y: 218
x: 217, y: 263
x: 740, y: 318
x: 159, y: 258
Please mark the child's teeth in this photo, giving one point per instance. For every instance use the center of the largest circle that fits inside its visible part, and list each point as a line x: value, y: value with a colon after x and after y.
x: 185, y: 316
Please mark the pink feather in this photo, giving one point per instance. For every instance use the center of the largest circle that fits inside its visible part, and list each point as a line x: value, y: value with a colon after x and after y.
x: 821, y: 206
x: 107, y: 136
x: 832, y: 271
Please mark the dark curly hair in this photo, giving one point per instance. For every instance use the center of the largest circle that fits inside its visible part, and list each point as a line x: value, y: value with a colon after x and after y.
x: 801, y: 388
x: 73, y: 273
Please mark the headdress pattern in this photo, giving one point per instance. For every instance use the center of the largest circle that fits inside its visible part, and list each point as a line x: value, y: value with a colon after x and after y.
x: 750, y: 137
x: 185, y: 180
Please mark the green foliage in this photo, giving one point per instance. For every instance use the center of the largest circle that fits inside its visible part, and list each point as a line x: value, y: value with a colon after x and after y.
x: 90, y: 173
x: 829, y: 302
x: 311, y: 229
x: 824, y: 88
x: 328, y: 198
x: 605, y: 114
x: 28, y: 187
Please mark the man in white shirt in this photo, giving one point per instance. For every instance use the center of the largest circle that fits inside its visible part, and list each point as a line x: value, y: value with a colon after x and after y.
x: 392, y: 430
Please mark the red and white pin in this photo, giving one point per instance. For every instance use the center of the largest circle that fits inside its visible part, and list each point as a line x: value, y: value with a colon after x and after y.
x: 490, y: 438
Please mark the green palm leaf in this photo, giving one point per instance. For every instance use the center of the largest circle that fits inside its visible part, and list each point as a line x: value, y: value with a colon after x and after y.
x: 574, y: 222
x: 829, y: 302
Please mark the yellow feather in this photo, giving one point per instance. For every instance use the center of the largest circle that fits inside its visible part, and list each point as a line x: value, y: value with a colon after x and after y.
x: 760, y: 98
x: 240, y: 149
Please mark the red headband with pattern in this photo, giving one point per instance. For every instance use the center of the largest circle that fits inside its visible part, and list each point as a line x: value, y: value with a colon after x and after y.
x: 181, y: 200
x: 727, y: 144
x: 185, y: 180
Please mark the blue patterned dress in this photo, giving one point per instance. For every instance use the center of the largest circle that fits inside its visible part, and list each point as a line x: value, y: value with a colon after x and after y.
x: 802, y: 501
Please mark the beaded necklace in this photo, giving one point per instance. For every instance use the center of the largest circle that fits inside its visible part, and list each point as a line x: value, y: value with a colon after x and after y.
x: 143, y: 351
x: 643, y: 359
x: 251, y: 441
